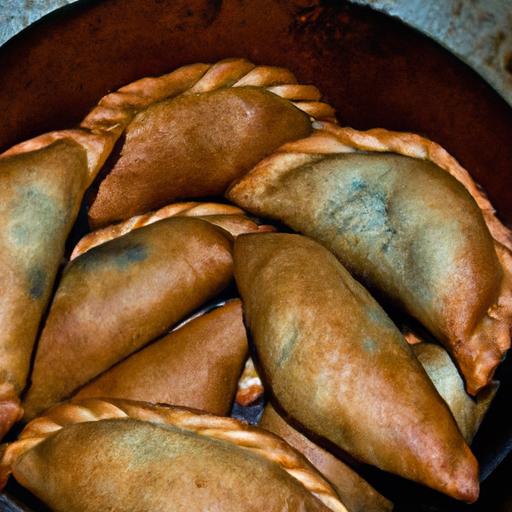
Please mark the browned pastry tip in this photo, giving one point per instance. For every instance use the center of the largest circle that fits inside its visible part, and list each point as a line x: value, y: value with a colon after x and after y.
x: 227, y: 216
x: 10, y: 408
x: 250, y: 387
x: 252, y: 439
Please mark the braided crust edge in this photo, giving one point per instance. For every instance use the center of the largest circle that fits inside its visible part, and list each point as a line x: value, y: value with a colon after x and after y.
x: 334, y: 139
x: 329, y: 138
x: 244, y: 436
x: 216, y: 213
x: 102, y: 127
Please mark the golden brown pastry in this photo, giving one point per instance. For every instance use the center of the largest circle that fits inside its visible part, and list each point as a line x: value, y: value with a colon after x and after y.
x: 40, y: 194
x: 197, y: 365
x: 117, y: 297
x: 194, y: 144
x: 406, y: 219
x: 468, y: 412
x: 357, y: 494
x: 338, y: 366
x: 228, y: 217
x: 146, y: 458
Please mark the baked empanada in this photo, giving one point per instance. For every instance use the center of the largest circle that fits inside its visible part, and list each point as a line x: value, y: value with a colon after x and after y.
x: 357, y: 494
x: 196, y: 143
x: 197, y: 365
x: 115, y: 298
x: 338, y: 366
x: 407, y: 226
x: 228, y: 217
x: 41, y: 187
x: 468, y: 412
x: 120, y: 456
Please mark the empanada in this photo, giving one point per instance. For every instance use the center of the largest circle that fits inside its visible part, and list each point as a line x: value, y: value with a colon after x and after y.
x: 468, y: 412
x: 197, y: 365
x: 414, y: 228
x: 115, y: 298
x: 357, y: 494
x: 228, y: 217
x: 120, y: 456
x: 338, y: 366
x: 41, y: 187
x: 194, y: 144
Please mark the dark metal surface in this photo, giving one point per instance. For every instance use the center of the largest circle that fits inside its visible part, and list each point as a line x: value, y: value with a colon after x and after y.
x: 373, y: 69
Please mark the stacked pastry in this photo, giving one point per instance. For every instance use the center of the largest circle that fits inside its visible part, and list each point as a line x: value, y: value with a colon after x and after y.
x: 133, y: 376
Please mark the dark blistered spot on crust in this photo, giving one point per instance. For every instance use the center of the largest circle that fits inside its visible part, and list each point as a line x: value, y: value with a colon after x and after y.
x: 370, y: 346
x: 35, y: 214
x: 116, y: 253
x: 287, y: 347
x: 129, y: 255
x: 37, y: 281
x: 362, y: 210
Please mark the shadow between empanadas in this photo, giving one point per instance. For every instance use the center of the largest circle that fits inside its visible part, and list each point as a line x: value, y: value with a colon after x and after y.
x: 117, y: 297
x: 404, y: 217
x: 338, y: 366
x: 195, y: 143
x: 138, y: 456
x: 197, y: 365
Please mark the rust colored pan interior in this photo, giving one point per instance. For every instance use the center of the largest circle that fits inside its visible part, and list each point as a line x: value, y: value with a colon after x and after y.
x: 374, y: 70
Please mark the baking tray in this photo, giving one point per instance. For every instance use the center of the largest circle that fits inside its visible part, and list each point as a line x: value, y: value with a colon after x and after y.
x: 373, y: 69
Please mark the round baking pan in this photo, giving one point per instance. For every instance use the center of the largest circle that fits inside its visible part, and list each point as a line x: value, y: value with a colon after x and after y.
x: 374, y: 70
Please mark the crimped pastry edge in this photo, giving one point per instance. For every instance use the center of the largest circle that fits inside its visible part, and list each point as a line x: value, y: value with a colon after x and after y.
x: 244, y: 436
x: 206, y: 211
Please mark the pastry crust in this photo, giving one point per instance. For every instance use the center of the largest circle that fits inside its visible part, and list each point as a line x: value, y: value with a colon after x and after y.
x: 99, y: 131
x: 116, y: 298
x: 492, y: 331
x: 196, y: 365
x: 141, y: 108
x: 227, y: 216
x: 357, y: 494
x: 249, y: 438
x: 40, y: 194
x: 467, y: 411
x: 339, y: 367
